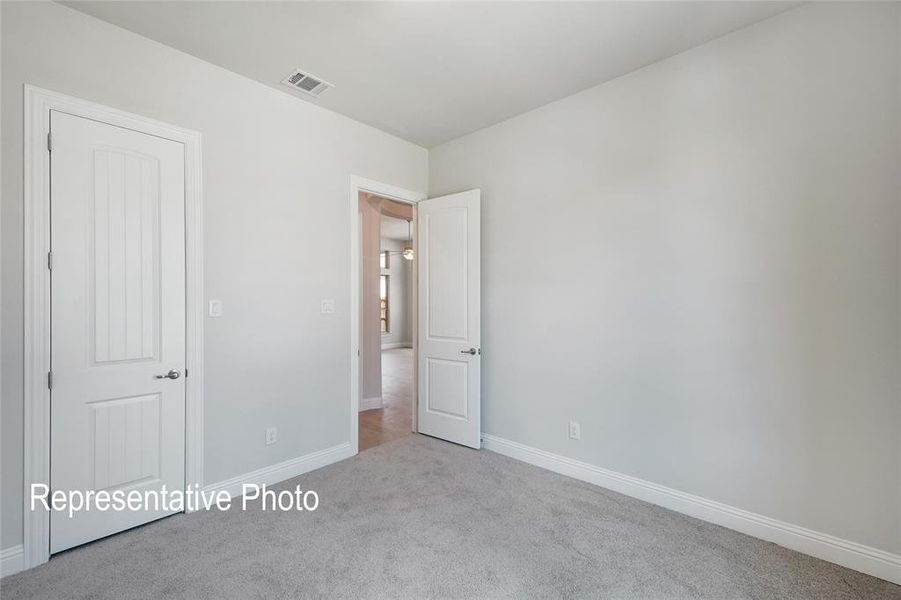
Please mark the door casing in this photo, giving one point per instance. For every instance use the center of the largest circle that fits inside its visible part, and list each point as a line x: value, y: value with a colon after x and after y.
x: 357, y: 185
x: 38, y: 103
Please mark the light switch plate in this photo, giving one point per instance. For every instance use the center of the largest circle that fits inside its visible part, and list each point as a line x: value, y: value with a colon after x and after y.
x: 215, y: 308
x: 575, y: 431
x: 327, y: 307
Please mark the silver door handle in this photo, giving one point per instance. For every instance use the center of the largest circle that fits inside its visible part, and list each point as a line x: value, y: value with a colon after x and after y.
x: 173, y: 374
x: 471, y: 351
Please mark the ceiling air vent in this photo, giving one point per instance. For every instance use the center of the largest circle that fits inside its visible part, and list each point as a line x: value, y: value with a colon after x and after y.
x: 306, y: 83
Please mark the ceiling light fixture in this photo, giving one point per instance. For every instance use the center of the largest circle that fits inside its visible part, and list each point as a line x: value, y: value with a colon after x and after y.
x: 408, y: 250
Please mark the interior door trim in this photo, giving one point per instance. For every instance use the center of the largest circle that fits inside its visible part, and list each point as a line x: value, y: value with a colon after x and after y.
x: 37, y: 104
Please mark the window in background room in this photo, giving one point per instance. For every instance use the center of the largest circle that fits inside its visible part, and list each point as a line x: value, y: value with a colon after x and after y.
x: 383, y: 300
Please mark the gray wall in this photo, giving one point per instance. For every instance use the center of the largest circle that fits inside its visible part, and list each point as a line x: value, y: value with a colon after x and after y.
x: 707, y: 251
x: 272, y: 359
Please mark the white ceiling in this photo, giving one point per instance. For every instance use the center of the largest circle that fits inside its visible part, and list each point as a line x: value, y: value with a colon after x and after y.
x: 394, y: 229
x: 432, y: 71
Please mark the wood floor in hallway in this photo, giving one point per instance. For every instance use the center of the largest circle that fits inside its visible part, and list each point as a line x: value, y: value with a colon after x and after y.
x: 395, y: 419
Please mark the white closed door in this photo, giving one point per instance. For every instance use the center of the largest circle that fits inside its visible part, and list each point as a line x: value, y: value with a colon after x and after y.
x: 117, y: 320
x: 449, y: 336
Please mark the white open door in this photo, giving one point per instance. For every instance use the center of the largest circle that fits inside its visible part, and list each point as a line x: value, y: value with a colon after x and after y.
x: 117, y: 416
x: 450, y: 353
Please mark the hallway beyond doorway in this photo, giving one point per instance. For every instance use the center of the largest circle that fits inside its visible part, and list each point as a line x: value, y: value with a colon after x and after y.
x: 395, y: 419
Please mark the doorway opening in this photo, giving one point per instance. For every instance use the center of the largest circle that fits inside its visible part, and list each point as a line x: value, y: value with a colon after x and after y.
x: 387, y: 320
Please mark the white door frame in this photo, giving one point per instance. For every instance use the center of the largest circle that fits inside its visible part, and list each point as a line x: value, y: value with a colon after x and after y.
x: 357, y: 185
x: 38, y: 103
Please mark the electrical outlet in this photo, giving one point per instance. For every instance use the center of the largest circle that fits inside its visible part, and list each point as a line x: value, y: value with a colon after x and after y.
x: 575, y: 431
x: 327, y: 306
x: 271, y: 436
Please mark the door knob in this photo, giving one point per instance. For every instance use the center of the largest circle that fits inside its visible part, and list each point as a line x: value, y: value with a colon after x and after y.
x: 173, y: 374
x: 471, y: 351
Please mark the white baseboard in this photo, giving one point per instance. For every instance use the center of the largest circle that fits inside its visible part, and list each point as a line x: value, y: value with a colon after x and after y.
x: 393, y: 345
x: 370, y: 403
x: 12, y: 560
x: 872, y: 561
x: 283, y: 470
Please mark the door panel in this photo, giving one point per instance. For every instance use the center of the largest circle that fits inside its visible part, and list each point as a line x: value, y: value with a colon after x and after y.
x: 117, y: 319
x: 449, y: 318
x: 447, y: 256
x: 125, y: 248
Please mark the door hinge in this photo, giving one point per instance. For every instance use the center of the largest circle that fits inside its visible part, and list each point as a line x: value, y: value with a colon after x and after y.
x: 49, y: 380
x: 50, y: 260
x: 49, y: 142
